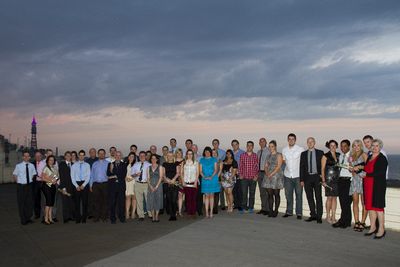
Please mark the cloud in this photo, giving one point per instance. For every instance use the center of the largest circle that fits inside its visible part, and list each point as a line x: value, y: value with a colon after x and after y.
x: 185, y: 59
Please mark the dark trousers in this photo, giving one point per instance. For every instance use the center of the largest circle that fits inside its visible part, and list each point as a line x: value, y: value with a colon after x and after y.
x: 36, y: 197
x: 312, y: 186
x: 99, y: 197
x: 116, y: 200
x: 81, y: 197
x: 165, y: 200
x: 190, y: 200
x: 345, y: 200
x: 248, y: 193
x: 199, y: 201
x: 172, y: 198
x: 68, y: 207
x: 216, y: 201
x: 237, y: 194
x: 24, y: 198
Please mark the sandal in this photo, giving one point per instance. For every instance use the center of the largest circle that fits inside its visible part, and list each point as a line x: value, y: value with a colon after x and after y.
x: 361, y: 227
x: 356, y: 226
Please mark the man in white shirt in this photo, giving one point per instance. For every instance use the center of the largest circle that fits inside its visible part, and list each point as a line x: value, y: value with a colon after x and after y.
x: 80, y: 177
x: 291, y: 157
x: 139, y: 171
x: 23, y: 176
x: 344, y: 186
x: 113, y: 151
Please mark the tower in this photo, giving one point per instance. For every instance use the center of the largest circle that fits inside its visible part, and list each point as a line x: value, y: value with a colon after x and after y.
x: 33, y: 134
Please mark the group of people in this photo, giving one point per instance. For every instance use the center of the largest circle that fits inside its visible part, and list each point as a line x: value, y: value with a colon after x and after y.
x: 146, y: 183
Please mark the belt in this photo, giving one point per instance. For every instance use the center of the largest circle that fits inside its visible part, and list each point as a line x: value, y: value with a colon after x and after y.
x: 262, y: 171
x: 190, y: 183
x: 141, y: 182
x: 344, y: 178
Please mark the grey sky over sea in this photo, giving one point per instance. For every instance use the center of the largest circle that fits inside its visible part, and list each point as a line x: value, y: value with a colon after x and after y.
x: 199, y: 60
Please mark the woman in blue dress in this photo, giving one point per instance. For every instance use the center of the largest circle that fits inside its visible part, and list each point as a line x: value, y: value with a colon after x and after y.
x: 209, y: 180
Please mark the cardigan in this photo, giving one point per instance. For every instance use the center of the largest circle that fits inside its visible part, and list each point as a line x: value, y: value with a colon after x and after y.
x: 379, y: 176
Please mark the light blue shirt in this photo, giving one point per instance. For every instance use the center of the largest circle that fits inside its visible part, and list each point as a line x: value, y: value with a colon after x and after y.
x: 221, y: 154
x: 98, y: 173
x: 20, y: 172
x: 237, y: 155
x: 80, y: 172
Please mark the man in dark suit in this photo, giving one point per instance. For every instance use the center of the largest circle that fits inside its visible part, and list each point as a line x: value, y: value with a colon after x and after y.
x: 310, y: 178
x: 66, y: 188
x: 116, y: 173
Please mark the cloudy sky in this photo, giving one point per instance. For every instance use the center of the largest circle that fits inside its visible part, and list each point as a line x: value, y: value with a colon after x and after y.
x: 121, y: 72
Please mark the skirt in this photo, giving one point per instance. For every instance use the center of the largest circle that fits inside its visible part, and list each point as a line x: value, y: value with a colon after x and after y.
x: 130, y: 188
x: 333, y: 190
x: 356, y: 186
x: 368, y: 194
x: 275, y: 182
x: 49, y: 194
x: 210, y: 186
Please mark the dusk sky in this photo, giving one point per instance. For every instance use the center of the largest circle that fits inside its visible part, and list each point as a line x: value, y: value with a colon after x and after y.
x: 101, y: 73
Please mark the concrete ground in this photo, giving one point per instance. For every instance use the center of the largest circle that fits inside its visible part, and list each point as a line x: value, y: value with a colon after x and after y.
x: 226, y: 240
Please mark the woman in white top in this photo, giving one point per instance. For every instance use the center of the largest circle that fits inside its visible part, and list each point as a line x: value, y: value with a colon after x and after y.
x: 50, y: 177
x: 130, y: 188
x: 190, y: 179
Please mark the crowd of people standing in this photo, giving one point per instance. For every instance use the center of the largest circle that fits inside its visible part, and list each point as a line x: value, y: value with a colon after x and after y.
x: 183, y: 181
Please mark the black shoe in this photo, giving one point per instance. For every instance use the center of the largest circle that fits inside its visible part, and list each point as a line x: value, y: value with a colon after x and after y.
x: 311, y: 219
x: 37, y: 217
x: 275, y: 214
x: 286, y: 215
x: 379, y: 237
x: 223, y: 208
x: 172, y: 218
x: 77, y: 222
x: 66, y: 221
x: 319, y: 221
x: 123, y: 221
x: 299, y: 217
x: 371, y: 233
x: 215, y: 211
x: 265, y: 213
x: 261, y: 212
x: 337, y: 224
x: 55, y: 220
x: 141, y: 219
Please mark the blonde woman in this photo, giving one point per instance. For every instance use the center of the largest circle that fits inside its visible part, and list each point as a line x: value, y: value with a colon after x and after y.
x: 179, y: 160
x: 190, y: 178
x: 130, y: 198
x: 171, y: 175
x: 357, y: 159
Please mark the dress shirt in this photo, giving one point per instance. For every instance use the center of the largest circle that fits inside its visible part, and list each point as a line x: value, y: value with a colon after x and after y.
x: 313, y: 161
x: 189, y: 172
x: 344, y: 159
x: 248, y: 167
x: 221, y: 154
x: 37, y: 168
x: 264, y: 155
x: 136, y: 169
x: 80, y: 172
x: 291, y: 156
x: 20, y: 172
x: 110, y: 159
x: 98, y: 173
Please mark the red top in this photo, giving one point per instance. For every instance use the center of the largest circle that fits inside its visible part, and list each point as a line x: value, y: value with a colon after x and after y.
x: 248, y: 167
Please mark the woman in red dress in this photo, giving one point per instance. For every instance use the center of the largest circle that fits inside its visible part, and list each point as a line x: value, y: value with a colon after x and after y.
x: 375, y: 189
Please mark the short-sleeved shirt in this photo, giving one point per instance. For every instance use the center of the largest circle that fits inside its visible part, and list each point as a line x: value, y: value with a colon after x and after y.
x: 20, y: 172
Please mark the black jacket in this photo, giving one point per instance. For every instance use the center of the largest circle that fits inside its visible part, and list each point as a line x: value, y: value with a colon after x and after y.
x: 304, y: 163
x: 119, y: 172
x: 65, y: 176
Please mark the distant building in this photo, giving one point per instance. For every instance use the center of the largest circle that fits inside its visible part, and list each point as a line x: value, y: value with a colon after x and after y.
x: 33, y: 134
x: 10, y: 155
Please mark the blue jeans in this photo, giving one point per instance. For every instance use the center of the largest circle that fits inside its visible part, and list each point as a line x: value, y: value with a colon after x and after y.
x: 293, y: 184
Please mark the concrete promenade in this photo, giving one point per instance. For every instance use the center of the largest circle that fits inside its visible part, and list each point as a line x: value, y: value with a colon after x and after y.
x: 226, y: 240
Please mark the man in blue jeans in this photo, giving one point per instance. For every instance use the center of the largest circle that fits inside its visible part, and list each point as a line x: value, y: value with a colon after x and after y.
x: 291, y: 157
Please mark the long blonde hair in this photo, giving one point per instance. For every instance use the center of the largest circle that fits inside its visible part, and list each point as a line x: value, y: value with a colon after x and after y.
x: 354, y: 154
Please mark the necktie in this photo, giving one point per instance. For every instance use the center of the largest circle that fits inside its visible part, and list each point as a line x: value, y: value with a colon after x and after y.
x: 69, y: 165
x: 259, y: 160
x: 311, y: 155
x: 141, y: 172
x: 80, y: 171
x: 27, y: 173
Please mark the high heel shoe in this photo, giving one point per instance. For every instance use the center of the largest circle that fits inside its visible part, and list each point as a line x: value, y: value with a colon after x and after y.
x: 47, y: 223
x: 379, y: 237
x: 371, y: 233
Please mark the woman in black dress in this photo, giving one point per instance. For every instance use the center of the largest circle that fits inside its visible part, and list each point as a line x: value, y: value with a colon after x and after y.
x: 330, y: 175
